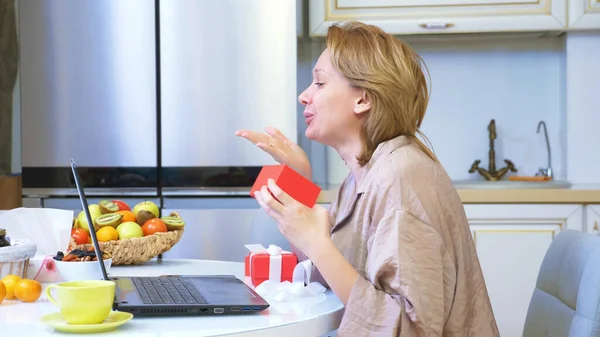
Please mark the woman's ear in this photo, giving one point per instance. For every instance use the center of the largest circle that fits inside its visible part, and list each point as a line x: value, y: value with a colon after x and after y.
x: 362, y: 104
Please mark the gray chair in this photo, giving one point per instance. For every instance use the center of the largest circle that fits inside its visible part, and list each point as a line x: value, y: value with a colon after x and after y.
x: 566, y: 299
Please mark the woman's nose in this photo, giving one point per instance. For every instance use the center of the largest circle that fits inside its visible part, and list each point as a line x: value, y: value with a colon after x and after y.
x: 303, y: 98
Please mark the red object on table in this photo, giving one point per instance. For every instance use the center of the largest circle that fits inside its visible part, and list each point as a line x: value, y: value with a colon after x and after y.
x: 290, y: 181
x: 258, y: 269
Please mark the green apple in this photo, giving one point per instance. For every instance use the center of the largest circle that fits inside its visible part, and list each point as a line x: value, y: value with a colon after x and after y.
x: 128, y: 230
x: 146, y: 206
x: 82, y: 219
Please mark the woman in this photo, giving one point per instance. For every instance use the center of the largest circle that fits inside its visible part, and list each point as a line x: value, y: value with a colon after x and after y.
x: 395, y: 245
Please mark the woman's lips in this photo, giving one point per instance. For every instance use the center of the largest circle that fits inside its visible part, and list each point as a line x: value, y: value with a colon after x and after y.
x: 308, y: 117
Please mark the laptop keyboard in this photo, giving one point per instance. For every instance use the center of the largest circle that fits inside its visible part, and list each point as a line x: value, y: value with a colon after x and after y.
x: 168, y: 290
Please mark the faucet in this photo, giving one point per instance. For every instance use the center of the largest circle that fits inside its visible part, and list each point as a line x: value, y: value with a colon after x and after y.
x: 491, y: 173
x: 547, y: 172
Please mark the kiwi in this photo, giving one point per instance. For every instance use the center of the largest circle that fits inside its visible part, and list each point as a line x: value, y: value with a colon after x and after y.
x: 173, y: 222
x: 107, y: 206
x: 143, y: 216
x: 111, y: 219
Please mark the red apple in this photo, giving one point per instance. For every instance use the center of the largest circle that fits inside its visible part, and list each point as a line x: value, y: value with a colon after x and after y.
x: 154, y: 226
x: 80, y: 236
x: 122, y: 205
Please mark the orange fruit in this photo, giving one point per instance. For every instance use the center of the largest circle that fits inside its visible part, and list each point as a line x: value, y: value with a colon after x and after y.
x: 2, y: 291
x: 107, y: 233
x: 10, y: 281
x: 28, y: 290
x: 127, y: 216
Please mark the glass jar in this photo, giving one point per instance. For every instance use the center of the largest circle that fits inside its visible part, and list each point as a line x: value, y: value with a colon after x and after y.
x: 3, y: 241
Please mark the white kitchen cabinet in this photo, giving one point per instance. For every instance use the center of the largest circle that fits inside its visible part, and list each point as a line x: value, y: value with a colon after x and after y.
x: 584, y: 14
x: 592, y: 222
x: 441, y: 16
x: 511, y: 241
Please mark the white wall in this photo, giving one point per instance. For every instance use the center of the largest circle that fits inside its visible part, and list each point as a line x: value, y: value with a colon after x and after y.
x: 517, y: 82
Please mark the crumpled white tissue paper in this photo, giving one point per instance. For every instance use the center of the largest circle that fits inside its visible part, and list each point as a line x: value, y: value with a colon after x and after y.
x: 293, y: 296
x: 287, y: 291
x: 287, y: 297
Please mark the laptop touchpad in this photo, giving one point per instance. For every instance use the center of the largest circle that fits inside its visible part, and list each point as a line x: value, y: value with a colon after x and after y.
x: 223, y: 290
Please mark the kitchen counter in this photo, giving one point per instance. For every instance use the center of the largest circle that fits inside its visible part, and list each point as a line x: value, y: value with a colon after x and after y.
x: 576, y: 194
x: 573, y: 195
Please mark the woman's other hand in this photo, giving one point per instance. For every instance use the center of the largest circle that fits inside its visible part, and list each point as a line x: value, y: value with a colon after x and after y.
x: 281, y: 148
x: 306, y: 228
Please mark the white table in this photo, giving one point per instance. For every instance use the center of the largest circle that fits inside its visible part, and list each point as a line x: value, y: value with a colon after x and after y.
x: 23, y: 319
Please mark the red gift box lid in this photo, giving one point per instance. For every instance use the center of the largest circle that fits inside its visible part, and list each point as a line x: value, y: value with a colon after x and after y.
x: 290, y: 181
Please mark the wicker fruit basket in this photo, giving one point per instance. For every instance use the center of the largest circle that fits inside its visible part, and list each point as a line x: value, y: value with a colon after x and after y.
x: 137, y: 250
x: 128, y: 236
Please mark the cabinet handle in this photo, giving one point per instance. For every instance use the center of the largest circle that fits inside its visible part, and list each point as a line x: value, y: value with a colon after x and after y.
x: 595, y: 229
x: 436, y: 25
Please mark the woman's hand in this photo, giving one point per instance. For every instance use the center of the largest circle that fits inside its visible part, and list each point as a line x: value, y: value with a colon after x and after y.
x: 280, y: 148
x: 307, y: 229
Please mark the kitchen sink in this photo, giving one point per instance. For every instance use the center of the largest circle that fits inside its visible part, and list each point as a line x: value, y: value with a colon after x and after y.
x: 507, y: 184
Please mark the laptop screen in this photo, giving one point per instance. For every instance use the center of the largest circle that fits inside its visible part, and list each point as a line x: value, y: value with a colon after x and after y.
x: 88, y: 216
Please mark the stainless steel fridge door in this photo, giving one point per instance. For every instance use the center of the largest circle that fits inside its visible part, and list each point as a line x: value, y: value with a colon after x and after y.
x: 74, y: 204
x: 88, y: 83
x: 225, y: 65
x: 218, y: 229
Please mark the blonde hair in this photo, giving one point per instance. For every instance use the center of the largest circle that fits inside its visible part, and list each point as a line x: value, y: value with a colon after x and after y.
x: 391, y: 74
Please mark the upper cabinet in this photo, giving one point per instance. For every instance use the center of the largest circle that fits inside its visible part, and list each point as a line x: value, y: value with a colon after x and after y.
x: 584, y: 14
x: 444, y: 16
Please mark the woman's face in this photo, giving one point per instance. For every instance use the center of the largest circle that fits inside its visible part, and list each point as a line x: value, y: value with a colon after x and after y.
x: 332, y: 106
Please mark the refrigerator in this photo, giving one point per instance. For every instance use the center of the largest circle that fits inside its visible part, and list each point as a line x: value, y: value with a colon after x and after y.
x: 145, y: 96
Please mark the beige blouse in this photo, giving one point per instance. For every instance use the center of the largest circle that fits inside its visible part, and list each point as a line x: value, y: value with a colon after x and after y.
x: 404, y: 230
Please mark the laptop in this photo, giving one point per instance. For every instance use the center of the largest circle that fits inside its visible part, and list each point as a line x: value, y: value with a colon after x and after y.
x: 176, y: 295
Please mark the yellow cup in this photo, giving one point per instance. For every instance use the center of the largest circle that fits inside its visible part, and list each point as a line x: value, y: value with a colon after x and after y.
x: 83, y: 302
